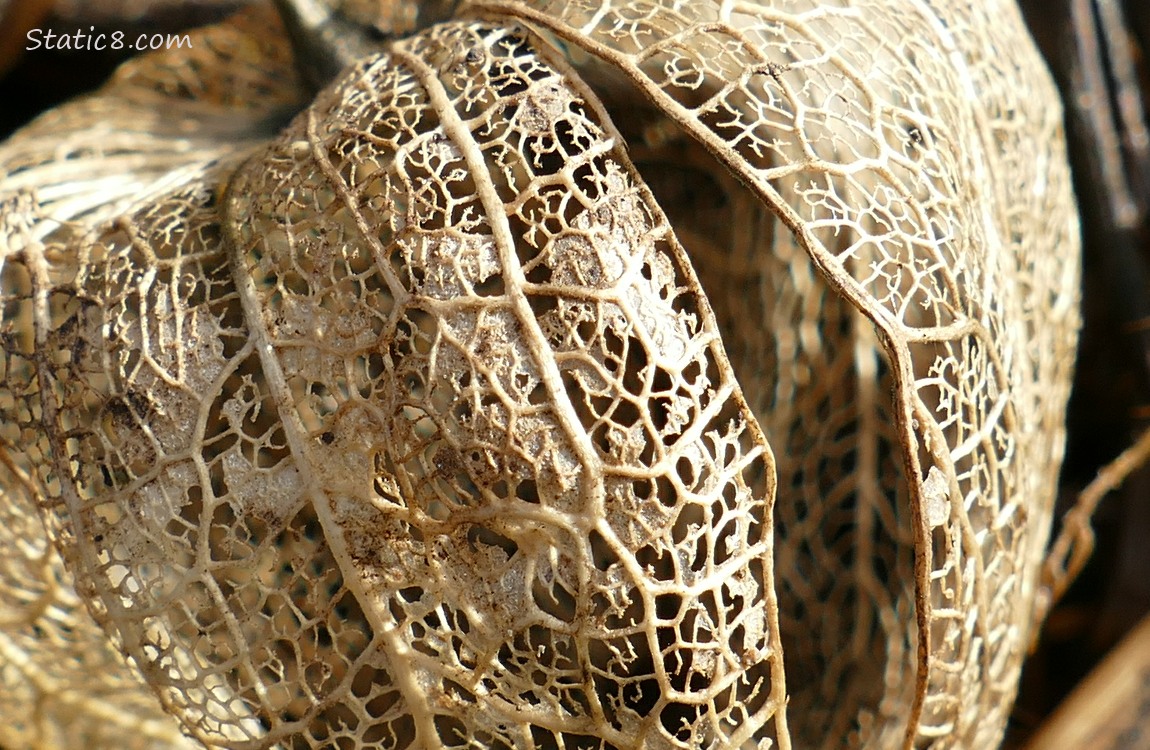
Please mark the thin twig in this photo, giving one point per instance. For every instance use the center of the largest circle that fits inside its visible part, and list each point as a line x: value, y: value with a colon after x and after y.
x: 1075, y: 541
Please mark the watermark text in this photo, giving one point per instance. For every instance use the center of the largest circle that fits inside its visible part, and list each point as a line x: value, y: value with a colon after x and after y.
x: 91, y: 39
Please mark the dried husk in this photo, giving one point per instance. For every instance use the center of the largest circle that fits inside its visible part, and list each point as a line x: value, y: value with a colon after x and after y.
x: 418, y: 428
x: 933, y: 197
x: 162, y: 119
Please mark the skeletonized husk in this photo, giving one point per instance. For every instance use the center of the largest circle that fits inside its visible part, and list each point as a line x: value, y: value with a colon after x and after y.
x: 418, y: 428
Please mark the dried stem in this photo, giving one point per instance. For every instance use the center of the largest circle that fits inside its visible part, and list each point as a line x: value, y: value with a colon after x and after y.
x: 1075, y: 541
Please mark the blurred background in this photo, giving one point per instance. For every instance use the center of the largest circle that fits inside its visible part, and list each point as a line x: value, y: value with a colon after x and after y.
x: 1096, y: 51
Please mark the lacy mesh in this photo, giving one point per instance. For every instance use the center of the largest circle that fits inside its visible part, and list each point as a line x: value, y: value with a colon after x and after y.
x: 417, y: 429
x: 161, y: 120
x: 63, y: 684
x: 841, y: 514
x: 933, y: 198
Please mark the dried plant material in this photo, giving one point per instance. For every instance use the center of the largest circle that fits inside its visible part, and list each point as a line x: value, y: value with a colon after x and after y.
x: 1071, y: 549
x: 842, y: 516
x: 879, y: 153
x: 1110, y: 709
x: 63, y: 683
x: 936, y: 504
x: 107, y: 11
x: 161, y: 120
x: 448, y: 456
x: 394, y: 17
x: 418, y: 429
